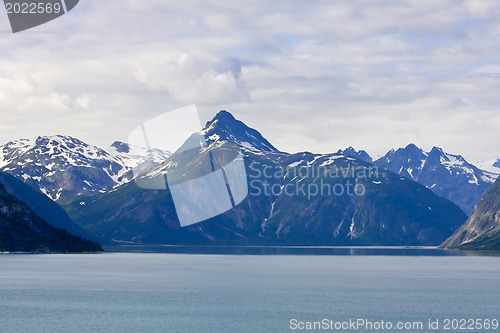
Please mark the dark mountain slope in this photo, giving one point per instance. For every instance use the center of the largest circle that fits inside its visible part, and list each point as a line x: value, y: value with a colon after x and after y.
x: 21, y: 230
x: 47, y: 209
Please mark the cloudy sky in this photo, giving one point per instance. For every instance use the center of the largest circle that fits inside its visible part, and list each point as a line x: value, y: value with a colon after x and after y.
x: 310, y: 75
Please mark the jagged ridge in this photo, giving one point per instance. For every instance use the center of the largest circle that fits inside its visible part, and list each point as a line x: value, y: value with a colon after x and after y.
x: 447, y: 175
x: 395, y: 211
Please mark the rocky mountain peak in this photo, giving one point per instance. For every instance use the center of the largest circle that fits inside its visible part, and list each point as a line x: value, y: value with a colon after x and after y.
x: 351, y: 152
x: 224, y: 127
x: 448, y: 175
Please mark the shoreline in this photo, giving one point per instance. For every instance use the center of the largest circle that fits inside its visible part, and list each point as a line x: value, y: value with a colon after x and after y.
x: 277, y: 250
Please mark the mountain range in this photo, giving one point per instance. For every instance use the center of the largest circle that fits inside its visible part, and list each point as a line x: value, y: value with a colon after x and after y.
x: 64, y: 168
x: 393, y: 210
x: 449, y: 176
x: 359, y: 154
x: 406, y: 198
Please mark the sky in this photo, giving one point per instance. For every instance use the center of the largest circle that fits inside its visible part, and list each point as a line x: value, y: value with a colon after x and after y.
x: 309, y: 75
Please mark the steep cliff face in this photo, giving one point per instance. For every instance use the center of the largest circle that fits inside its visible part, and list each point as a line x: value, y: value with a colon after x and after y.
x: 21, y: 230
x: 482, y: 229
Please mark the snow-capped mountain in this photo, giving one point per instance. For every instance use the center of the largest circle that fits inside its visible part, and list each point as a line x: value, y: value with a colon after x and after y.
x: 131, y: 156
x: 64, y: 168
x: 448, y: 175
x: 224, y: 127
x: 60, y: 166
x: 360, y: 154
x: 294, y: 199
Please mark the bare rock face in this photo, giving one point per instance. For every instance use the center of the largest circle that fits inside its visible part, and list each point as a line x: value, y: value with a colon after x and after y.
x: 482, y: 229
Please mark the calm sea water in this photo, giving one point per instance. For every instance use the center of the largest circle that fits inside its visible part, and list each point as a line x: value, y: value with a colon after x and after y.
x: 144, y: 292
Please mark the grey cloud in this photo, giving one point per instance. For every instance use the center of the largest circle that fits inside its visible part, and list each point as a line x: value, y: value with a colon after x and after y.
x: 314, y: 75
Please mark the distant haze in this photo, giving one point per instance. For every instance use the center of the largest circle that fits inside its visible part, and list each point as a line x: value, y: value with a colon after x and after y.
x: 313, y: 75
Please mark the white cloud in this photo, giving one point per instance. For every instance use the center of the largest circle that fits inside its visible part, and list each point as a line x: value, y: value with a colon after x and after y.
x: 82, y: 102
x: 316, y: 75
